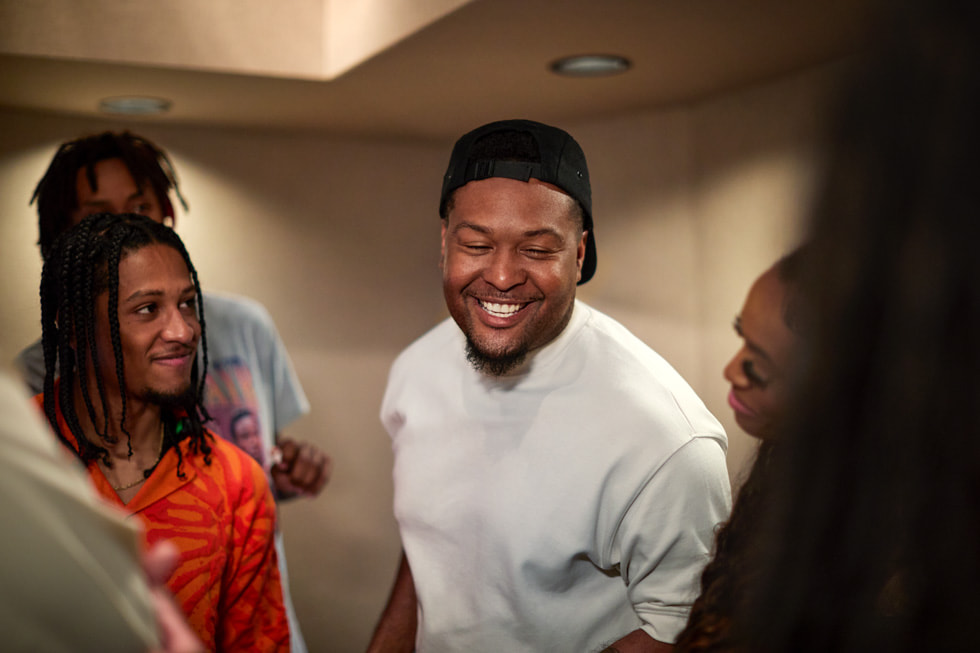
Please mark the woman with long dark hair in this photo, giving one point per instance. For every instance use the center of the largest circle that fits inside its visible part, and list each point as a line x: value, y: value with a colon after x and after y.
x: 872, y: 542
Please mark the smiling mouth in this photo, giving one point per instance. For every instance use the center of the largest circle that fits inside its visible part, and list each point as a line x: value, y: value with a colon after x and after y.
x: 500, y: 310
x: 175, y: 358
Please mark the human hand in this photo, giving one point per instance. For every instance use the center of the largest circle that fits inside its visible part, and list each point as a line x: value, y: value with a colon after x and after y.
x: 299, y: 468
x: 176, y: 635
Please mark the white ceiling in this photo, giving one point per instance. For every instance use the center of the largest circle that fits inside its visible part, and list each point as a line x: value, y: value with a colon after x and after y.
x: 407, y: 68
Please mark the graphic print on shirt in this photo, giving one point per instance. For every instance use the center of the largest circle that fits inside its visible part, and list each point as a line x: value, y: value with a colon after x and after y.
x: 230, y: 399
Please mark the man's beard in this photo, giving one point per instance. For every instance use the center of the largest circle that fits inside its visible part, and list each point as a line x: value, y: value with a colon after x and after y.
x: 493, y: 365
x: 180, y: 399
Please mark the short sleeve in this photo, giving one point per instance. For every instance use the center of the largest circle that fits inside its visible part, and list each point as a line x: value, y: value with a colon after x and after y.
x: 288, y: 400
x: 666, y: 536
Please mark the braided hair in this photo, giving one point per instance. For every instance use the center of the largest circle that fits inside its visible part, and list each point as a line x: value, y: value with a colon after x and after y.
x: 83, y: 263
x: 57, y: 196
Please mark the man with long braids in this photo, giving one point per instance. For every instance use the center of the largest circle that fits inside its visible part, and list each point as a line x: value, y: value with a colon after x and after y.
x: 121, y: 323
x: 249, y: 367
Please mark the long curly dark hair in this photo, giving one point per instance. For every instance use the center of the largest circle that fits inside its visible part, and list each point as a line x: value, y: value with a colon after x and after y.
x: 83, y: 263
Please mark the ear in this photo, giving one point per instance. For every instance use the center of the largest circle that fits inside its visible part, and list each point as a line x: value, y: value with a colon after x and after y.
x: 580, y: 255
x: 442, y: 246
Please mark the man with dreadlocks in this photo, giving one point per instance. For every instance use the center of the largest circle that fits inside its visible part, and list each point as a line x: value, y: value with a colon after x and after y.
x: 121, y: 324
x: 249, y: 367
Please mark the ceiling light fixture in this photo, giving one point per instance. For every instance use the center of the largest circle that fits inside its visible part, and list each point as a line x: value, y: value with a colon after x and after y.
x: 591, y: 65
x: 135, y: 105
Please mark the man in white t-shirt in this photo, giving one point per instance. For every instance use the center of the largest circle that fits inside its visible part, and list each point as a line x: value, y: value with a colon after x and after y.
x: 557, y: 483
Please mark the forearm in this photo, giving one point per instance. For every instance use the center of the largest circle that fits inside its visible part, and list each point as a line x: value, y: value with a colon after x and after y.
x: 395, y: 632
x: 638, y: 642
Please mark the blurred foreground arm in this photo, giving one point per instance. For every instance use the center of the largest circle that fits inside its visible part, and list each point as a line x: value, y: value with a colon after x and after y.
x: 176, y: 635
x: 68, y: 554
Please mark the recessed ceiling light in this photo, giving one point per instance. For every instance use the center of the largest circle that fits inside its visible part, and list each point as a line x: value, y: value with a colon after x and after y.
x: 135, y: 105
x: 591, y: 65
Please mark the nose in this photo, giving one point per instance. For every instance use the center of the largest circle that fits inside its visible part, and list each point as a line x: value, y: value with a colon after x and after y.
x: 734, y: 373
x: 181, y: 328
x: 505, y: 269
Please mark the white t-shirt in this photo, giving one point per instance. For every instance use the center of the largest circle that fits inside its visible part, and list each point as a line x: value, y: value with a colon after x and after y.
x: 558, y: 508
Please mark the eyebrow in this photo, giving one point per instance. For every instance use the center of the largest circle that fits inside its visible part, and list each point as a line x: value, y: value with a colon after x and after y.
x: 748, y: 343
x: 532, y: 233
x: 103, y: 202
x: 146, y: 294
x: 470, y: 225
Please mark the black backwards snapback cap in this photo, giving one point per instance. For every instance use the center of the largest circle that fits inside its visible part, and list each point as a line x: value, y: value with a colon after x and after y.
x: 546, y: 153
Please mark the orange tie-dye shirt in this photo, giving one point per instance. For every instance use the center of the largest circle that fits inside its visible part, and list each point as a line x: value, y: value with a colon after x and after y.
x: 222, y: 517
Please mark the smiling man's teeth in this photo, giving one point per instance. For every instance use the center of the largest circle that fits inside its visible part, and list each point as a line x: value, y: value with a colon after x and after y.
x: 500, y: 310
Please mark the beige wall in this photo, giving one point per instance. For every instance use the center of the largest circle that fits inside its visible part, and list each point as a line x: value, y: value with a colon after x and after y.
x: 339, y: 238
